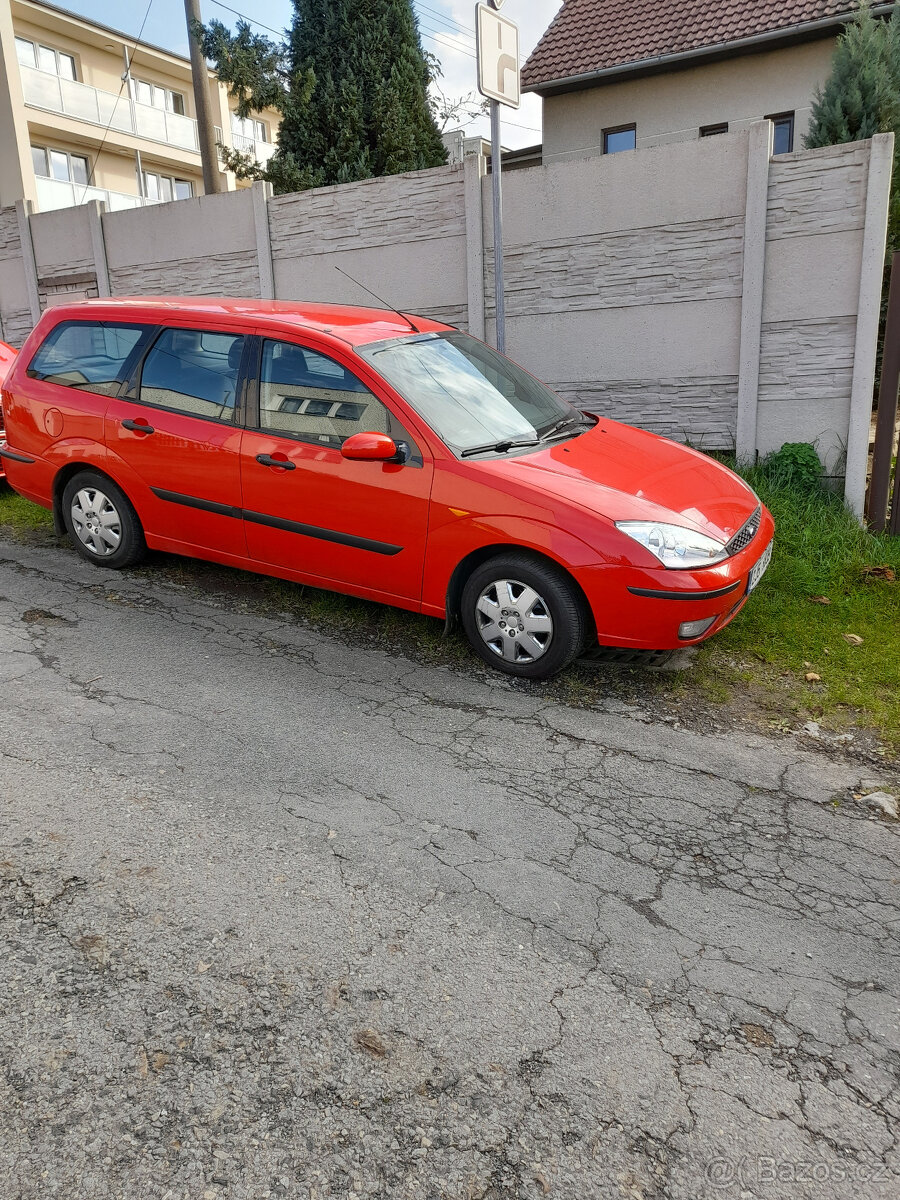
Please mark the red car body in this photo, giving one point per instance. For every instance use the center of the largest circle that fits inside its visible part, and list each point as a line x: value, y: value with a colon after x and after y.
x: 7, y: 356
x: 561, y: 501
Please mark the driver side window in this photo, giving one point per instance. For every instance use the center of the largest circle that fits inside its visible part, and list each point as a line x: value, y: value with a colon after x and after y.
x: 309, y: 396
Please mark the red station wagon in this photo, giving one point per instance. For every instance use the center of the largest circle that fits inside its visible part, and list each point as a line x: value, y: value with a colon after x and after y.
x: 385, y: 456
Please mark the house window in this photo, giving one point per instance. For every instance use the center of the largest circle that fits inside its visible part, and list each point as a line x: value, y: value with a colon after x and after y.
x: 622, y: 138
x: 158, y: 97
x: 249, y: 128
x: 59, y: 164
x: 45, y: 58
x: 784, y: 132
x: 165, y: 187
x: 712, y: 130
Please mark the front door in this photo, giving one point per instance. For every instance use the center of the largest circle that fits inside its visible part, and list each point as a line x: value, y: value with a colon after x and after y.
x: 175, y: 432
x: 361, y: 524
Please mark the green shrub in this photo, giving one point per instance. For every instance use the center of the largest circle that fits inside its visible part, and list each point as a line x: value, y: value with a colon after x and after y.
x: 795, y: 465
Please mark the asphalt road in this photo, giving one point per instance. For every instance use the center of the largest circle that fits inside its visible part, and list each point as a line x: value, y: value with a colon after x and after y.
x: 281, y: 917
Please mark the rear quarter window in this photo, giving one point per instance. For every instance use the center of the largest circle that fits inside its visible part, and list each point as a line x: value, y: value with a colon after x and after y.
x: 91, y: 356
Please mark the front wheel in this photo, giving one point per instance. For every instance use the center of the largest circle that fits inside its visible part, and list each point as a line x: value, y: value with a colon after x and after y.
x: 524, y: 616
x: 101, y: 522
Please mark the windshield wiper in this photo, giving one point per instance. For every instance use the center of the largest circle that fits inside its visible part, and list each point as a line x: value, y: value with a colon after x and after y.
x: 578, y: 418
x: 499, y: 447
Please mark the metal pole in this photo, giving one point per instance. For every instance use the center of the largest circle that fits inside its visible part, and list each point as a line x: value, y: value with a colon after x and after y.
x: 209, y: 155
x: 497, y: 196
x: 129, y: 83
x: 887, y: 407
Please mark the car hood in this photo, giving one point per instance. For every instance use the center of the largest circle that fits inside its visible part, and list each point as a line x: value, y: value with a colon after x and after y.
x: 628, y: 474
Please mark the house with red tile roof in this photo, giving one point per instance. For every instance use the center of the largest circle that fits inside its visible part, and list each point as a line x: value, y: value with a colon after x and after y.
x: 622, y: 74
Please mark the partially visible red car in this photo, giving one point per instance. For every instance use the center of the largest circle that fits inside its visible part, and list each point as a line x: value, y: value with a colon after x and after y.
x: 387, y: 456
x: 7, y: 355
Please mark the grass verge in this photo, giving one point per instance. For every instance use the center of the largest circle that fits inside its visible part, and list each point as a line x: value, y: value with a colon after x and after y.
x: 830, y: 583
x: 754, y: 672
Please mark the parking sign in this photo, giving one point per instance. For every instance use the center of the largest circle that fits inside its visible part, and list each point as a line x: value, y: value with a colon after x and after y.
x: 498, y: 56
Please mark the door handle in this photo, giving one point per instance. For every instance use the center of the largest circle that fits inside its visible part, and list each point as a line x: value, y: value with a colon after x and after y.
x: 268, y: 461
x: 138, y: 426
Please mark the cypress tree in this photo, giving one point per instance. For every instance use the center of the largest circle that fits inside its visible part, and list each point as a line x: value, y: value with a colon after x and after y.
x: 861, y: 97
x: 351, y: 83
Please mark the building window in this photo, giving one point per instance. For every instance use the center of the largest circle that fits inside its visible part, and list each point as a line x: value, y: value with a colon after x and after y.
x: 622, y: 138
x: 164, y: 187
x: 59, y: 164
x: 158, y: 97
x: 256, y: 131
x: 712, y: 130
x: 784, y: 132
x: 45, y: 58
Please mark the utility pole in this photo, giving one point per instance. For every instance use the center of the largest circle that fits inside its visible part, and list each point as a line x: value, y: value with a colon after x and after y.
x: 209, y: 155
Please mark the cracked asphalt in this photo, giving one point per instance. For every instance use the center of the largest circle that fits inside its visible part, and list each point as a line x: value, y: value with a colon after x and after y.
x: 283, y: 917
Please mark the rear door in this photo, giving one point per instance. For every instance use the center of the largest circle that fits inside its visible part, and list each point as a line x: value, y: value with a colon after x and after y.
x: 307, y: 508
x: 176, y: 433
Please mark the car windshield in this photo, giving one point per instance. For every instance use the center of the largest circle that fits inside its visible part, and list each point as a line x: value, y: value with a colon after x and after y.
x: 470, y: 395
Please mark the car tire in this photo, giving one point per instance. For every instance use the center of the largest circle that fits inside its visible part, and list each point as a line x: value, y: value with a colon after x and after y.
x: 523, y: 615
x: 101, y: 521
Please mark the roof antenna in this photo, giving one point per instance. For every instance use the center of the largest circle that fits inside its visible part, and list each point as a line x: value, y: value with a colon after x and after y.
x: 383, y: 303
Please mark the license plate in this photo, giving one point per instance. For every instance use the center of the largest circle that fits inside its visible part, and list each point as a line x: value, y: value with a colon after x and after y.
x: 759, y: 568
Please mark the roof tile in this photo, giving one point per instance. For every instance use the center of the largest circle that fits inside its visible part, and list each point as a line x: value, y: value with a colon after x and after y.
x: 594, y: 35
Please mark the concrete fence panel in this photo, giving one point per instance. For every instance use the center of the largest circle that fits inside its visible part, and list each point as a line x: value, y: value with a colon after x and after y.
x: 816, y: 220
x: 204, y: 246
x: 16, y: 317
x: 623, y: 279
x: 404, y: 237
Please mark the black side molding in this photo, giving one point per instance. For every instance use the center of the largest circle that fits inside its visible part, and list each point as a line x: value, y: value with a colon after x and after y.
x: 4, y: 453
x: 224, y: 510
x: 313, y: 531
x: 658, y: 595
x: 325, y: 535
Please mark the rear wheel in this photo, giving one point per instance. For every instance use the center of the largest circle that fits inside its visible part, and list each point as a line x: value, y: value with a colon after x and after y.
x: 101, y: 522
x: 524, y: 616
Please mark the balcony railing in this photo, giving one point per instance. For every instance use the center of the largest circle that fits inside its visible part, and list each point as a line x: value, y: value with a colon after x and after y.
x: 56, y: 193
x: 85, y: 103
x: 261, y: 151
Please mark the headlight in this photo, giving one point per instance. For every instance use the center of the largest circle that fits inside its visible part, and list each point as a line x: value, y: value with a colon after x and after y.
x: 674, y: 545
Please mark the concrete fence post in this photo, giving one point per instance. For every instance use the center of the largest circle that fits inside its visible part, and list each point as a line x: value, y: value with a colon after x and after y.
x: 475, y: 168
x: 24, y: 210
x: 96, y: 209
x: 868, y: 314
x: 759, y: 153
x: 260, y: 192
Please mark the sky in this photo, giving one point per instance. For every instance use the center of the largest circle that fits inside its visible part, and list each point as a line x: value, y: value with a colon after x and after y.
x: 447, y: 28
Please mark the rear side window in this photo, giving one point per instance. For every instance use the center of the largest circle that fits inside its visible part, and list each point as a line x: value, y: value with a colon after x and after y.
x: 89, y: 355
x: 193, y: 371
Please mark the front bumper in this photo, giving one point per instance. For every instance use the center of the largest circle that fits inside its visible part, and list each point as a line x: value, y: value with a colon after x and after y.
x: 644, y: 608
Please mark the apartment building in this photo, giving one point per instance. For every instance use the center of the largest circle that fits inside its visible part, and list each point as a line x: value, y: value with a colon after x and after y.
x: 88, y: 114
x: 615, y: 75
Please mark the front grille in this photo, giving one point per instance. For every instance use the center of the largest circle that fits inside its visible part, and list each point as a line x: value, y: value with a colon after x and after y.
x: 745, y: 534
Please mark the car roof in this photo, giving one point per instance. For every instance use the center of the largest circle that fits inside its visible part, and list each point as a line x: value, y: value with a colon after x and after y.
x: 348, y: 323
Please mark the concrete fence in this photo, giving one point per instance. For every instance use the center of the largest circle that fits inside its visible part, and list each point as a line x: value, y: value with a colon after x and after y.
x: 705, y: 290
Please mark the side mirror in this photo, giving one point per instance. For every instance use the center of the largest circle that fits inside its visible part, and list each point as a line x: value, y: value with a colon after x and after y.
x: 371, y: 447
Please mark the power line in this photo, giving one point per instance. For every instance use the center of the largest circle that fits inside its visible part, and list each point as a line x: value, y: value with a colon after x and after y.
x: 452, y: 21
x: 244, y: 17
x: 128, y: 61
